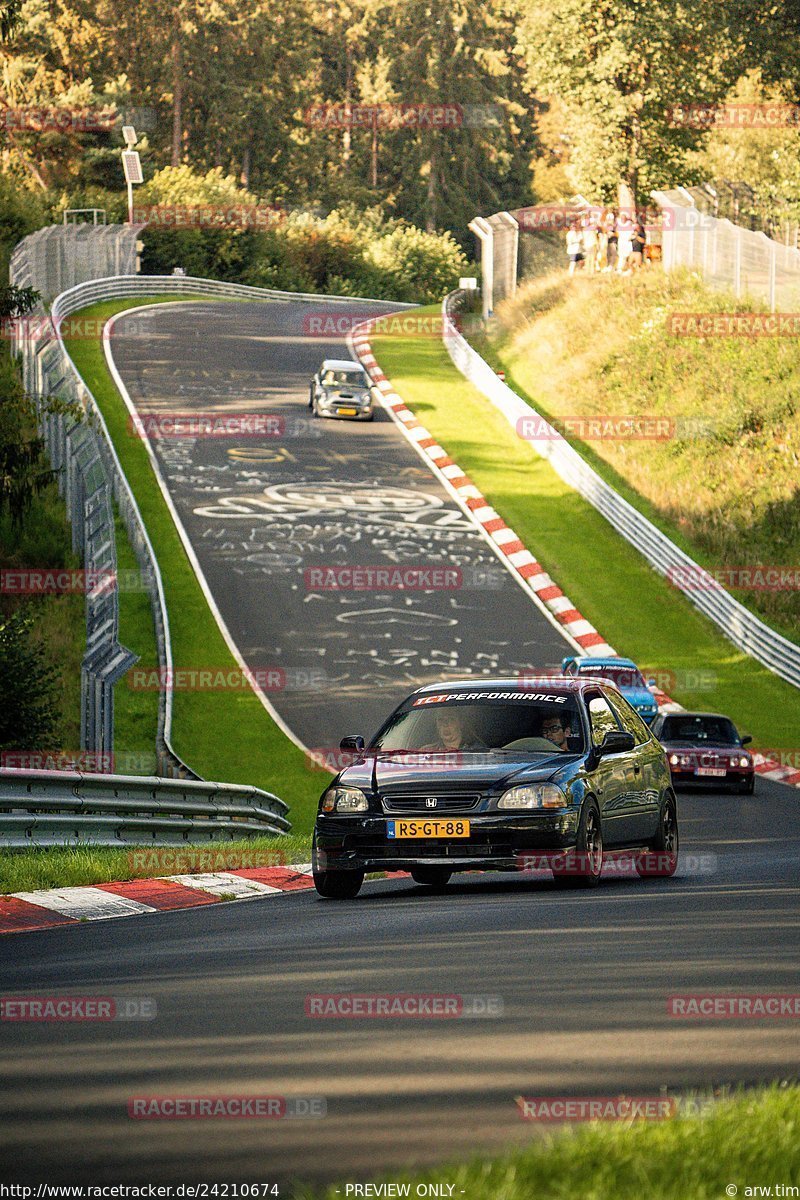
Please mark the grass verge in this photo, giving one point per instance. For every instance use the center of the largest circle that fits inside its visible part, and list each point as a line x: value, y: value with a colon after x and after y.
x: 744, y: 1143
x: 721, y: 477
x: 605, y: 577
x: 81, y: 866
x: 222, y: 735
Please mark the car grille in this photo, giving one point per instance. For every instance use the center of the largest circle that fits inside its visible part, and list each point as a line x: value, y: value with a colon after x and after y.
x: 417, y: 803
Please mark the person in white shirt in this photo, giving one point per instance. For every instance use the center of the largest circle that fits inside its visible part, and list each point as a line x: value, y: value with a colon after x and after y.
x: 574, y: 247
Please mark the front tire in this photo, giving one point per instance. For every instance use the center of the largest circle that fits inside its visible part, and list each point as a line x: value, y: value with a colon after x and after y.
x: 432, y: 877
x: 583, y: 866
x: 336, y: 884
x: 661, y: 861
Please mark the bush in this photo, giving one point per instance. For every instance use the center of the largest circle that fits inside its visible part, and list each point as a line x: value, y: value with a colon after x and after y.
x: 423, y: 266
x: 347, y: 252
x: 28, y: 714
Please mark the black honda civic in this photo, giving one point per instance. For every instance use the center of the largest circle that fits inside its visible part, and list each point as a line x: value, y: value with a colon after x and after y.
x: 495, y: 775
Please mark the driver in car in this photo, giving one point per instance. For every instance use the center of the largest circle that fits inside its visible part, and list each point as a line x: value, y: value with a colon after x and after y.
x: 454, y: 732
x: 557, y: 731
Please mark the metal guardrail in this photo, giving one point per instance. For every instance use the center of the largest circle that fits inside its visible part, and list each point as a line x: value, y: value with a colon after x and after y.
x: 84, y: 456
x: 57, y: 808
x: 130, y: 287
x: 739, y: 625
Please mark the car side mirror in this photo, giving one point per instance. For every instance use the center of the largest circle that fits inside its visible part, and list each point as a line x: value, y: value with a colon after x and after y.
x: 616, y: 741
x: 747, y: 739
x: 353, y: 741
x: 651, y: 683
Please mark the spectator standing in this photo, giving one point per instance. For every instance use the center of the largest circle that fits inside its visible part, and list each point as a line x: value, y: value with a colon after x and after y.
x: 638, y: 243
x: 574, y: 247
x: 590, y: 243
x: 612, y: 238
x: 624, y: 243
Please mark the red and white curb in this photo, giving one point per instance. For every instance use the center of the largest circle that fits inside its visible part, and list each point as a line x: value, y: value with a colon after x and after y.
x: 23, y: 911
x: 549, y: 595
x: 775, y: 771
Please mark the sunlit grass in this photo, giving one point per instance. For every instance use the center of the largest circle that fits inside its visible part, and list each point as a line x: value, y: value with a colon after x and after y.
x: 225, y: 736
x: 639, y: 613
x: 79, y: 866
x: 724, y: 483
x: 748, y: 1141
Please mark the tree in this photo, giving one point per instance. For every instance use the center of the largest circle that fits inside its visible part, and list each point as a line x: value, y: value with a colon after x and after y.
x: 9, y: 18
x: 620, y: 68
x: 29, y: 712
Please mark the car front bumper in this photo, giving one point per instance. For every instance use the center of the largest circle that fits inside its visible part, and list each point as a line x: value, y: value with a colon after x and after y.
x: 732, y: 775
x: 334, y: 410
x: 495, y: 842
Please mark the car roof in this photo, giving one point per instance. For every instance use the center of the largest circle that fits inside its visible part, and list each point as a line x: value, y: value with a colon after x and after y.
x: 694, y: 715
x: 531, y: 683
x: 611, y: 661
x: 340, y: 364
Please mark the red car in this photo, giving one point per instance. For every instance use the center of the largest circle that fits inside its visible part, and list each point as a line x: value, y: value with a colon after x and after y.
x: 705, y: 748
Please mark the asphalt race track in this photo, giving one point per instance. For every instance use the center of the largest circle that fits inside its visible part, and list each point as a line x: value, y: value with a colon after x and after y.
x: 583, y: 977
x: 261, y: 511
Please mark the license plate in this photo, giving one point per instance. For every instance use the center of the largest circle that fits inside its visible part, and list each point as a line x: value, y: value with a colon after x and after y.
x: 427, y: 829
x: 716, y: 772
x: 348, y: 412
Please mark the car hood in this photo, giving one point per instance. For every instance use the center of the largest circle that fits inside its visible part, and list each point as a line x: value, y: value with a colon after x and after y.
x: 723, y: 750
x: 639, y: 696
x: 346, y: 393
x: 427, y: 772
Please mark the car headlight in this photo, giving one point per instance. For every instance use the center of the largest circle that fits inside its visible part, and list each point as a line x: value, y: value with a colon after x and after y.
x: 743, y: 761
x: 673, y: 760
x: 535, y: 795
x: 344, y: 800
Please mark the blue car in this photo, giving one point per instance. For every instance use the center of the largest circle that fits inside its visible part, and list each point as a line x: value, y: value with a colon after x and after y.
x: 625, y: 674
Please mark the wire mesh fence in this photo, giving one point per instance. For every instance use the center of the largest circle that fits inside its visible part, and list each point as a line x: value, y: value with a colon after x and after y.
x: 728, y: 256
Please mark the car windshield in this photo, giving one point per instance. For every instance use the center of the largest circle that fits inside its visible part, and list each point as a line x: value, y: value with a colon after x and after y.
x: 623, y: 677
x: 491, y: 722
x: 698, y: 731
x: 343, y: 378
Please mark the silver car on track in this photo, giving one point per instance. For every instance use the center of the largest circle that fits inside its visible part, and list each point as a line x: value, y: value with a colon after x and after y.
x: 341, y: 388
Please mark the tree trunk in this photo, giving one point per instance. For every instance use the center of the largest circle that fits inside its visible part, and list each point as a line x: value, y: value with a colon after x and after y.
x: 348, y: 96
x: 626, y: 196
x: 177, y: 90
x: 244, y: 178
x: 430, y: 204
x: 374, y: 154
